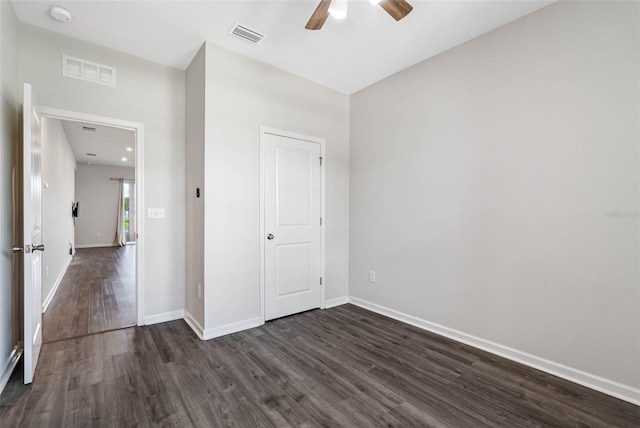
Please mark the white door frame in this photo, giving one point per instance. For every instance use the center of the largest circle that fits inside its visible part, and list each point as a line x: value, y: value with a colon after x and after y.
x: 138, y: 129
x: 264, y: 130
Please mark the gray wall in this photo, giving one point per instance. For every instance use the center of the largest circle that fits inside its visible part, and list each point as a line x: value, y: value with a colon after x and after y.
x: 9, y: 105
x: 195, y: 95
x: 146, y: 92
x: 58, y: 171
x: 483, y: 181
x: 98, y: 197
x: 241, y: 95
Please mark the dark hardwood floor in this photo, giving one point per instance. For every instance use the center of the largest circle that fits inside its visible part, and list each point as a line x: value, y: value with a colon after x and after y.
x: 342, y: 367
x: 96, y: 294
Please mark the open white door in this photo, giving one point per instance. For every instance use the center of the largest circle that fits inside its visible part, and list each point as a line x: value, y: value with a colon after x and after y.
x: 32, y: 233
x: 292, y: 224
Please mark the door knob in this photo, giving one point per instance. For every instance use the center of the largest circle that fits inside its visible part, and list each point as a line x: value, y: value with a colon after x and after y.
x: 37, y: 247
x: 270, y: 237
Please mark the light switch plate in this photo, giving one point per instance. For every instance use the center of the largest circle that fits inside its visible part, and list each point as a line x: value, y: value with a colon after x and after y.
x: 156, y: 213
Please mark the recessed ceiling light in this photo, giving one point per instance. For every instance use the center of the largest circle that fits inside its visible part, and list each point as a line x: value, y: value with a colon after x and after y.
x: 129, y: 149
x: 61, y: 14
x: 124, y: 159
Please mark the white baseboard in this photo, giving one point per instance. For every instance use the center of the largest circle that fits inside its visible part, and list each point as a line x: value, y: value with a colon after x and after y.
x: 212, y: 333
x: 195, y: 325
x: 332, y: 303
x: 606, y: 386
x: 96, y: 246
x: 235, y: 327
x: 56, y: 284
x: 164, y: 317
x: 9, y: 366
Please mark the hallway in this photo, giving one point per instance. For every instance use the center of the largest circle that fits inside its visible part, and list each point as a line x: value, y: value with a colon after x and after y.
x: 96, y: 294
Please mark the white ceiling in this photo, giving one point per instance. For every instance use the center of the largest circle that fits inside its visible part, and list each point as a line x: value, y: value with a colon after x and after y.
x: 108, y: 143
x: 346, y: 55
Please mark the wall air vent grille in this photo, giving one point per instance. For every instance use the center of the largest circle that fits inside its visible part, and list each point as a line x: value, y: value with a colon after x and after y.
x: 88, y: 71
x: 88, y: 129
x: 247, y: 34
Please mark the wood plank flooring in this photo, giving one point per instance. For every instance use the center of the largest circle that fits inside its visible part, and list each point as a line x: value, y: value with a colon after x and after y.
x: 341, y: 367
x: 96, y: 294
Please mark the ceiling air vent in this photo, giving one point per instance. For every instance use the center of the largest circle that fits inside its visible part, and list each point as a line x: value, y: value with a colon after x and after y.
x: 247, y: 34
x: 88, y: 129
x: 91, y: 154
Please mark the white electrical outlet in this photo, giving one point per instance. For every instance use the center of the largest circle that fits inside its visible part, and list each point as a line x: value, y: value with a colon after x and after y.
x: 372, y: 276
x: 199, y: 291
x: 98, y: 234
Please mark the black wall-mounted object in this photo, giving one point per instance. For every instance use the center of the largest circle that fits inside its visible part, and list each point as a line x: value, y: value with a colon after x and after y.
x: 75, y: 208
x: 197, y: 192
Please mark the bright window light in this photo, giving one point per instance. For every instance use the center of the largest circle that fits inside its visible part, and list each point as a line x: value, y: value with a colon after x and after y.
x: 338, y: 9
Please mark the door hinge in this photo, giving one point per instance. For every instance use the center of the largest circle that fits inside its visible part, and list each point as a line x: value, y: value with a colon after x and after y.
x: 320, y: 160
x: 320, y: 280
x: 320, y: 221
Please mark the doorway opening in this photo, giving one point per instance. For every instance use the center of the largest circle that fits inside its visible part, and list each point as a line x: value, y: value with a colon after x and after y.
x: 100, y: 287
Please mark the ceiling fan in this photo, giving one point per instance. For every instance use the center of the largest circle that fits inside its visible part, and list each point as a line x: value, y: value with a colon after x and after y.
x: 398, y: 9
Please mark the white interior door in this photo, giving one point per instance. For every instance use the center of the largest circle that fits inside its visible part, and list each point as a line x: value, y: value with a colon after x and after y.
x: 292, y: 245
x: 32, y: 234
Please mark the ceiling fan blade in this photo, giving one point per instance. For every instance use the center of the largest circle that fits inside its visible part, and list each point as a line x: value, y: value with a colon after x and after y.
x: 398, y: 9
x: 319, y: 16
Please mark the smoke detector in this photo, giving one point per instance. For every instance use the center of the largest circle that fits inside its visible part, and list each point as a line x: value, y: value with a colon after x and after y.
x: 61, y: 14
